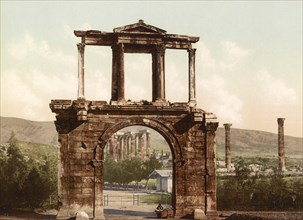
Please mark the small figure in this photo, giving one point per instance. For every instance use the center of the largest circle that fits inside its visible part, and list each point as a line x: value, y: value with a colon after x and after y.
x: 159, y: 208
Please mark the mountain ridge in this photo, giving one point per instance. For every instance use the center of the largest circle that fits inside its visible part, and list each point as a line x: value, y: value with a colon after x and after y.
x: 244, y: 142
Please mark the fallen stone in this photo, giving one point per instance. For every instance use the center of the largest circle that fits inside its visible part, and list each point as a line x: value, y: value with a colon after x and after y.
x: 82, y: 215
x: 199, y: 214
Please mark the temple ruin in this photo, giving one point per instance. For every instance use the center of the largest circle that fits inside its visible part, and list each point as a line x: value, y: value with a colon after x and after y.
x: 127, y: 145
x: 86, y: 127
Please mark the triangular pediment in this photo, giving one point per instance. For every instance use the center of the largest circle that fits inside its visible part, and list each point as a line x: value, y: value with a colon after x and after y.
x: 139, y: 27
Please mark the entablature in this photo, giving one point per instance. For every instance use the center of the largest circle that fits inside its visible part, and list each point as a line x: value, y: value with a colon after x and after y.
x: 136, y: 34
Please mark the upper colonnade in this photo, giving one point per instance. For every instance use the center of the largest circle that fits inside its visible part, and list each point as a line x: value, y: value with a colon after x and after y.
x: 138, y: 38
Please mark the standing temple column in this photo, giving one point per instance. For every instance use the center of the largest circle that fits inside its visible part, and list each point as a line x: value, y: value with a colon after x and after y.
x: 141, y: 146
x: 118, y: 95
x: 114, y: 149
x: 227, y: 147
x: 158, y: 74
x: 192, y: 78
x: 133, y: 146
x: 126, y: 146
x: 148, y: 153
x: 81, y: 47
x: 119, y: 151
x: 281, y: 147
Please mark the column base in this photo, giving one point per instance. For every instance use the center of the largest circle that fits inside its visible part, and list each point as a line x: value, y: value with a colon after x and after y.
x: 119, y: 102
x: 213, y: 215
x: 63, y: 214
x: 160, y: 102
x: 192, y: 103
x: 99, y: 211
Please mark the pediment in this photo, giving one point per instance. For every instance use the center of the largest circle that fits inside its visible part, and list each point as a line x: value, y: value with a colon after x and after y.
x: 139, y: 27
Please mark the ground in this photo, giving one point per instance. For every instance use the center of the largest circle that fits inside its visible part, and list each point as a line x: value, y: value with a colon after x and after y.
x: 123, y: 205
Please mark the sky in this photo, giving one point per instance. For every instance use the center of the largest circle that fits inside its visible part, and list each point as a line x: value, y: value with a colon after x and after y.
x: 248, y: 59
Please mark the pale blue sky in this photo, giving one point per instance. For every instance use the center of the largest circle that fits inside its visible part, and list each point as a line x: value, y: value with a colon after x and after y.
x: 248, y: 64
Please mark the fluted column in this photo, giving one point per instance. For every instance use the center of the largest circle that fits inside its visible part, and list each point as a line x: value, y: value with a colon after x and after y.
x: 133, y: 146
x: 126, y: 147
x: 158, y: 74
x: 81, y: 47
x: 227, y: 147
x: 114, y: 147
x: 141, y: 146
x: 281, y: 147
x: 191, y: 78
x: 119, y: 151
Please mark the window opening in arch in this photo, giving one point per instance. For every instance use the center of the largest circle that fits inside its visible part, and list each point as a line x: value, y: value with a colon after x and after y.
x: 176, y: 75
x: 138, y: 76
x: 97, y: 73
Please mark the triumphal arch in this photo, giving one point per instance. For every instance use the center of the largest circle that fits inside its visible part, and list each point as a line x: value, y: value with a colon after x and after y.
x: 85, y: 127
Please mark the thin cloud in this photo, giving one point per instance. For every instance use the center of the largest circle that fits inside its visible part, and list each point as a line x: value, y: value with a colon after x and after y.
x: 275, y: 91
x: 213, y: 90
x: 234, y: 56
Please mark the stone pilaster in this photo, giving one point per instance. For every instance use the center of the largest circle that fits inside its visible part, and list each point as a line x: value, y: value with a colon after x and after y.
x: 63, y: 174
x: 281, y: 147
x: 98, y: 189
x: 81, y: 47
x: 211, y: 185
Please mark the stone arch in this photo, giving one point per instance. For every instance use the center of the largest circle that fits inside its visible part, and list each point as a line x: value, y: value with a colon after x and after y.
x: 158, y: 126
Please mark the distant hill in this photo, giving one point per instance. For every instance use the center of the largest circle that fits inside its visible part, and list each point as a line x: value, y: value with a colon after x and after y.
x: 247, y: 143
x: 251, y: 143
x: 29, y: 131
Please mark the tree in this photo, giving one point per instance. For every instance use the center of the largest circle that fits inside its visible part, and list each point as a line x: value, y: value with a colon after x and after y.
x: 151, y: 165
x: 14, y: 174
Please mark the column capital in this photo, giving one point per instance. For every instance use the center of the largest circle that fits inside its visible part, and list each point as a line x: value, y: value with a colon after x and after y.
x: 118, y: 46
x: 211, y: 126
x: 192, y: 50
x: 81, y: 47
x: 227, y: 125
x: 160, y: 49
x: 280, y: 121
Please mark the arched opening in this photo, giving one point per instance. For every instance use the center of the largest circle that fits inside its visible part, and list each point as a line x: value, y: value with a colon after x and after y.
x: 137, y: 172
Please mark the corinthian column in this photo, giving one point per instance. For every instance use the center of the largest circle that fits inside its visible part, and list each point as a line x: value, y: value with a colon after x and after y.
x: 281, y: 147
x: 81, y: 47
x: 191, y: 78
x: 227, y: 147
x: 118, y: 95
x: 158, y: 74
x: 148, y: 153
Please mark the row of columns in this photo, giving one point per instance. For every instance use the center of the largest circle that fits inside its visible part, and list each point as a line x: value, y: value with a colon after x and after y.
x: 128, y: 145
x: 281, y: 147
x: 158, y: 74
